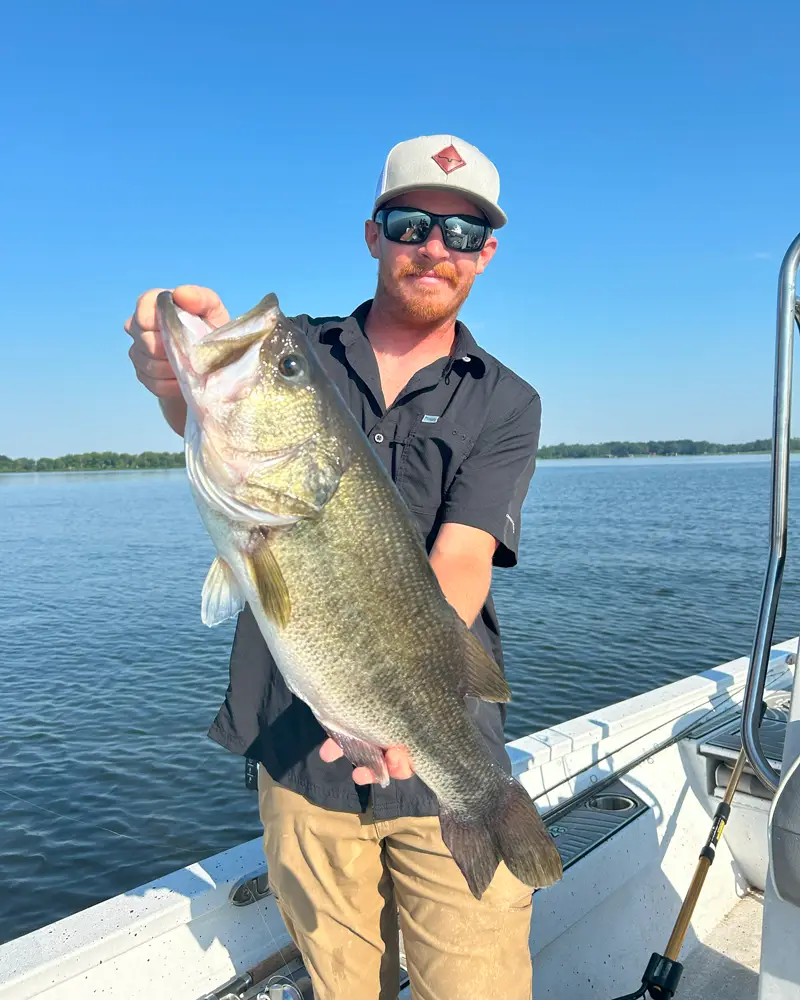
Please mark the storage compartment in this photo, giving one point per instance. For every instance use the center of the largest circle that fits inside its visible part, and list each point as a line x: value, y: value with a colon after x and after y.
x: 582, y: 827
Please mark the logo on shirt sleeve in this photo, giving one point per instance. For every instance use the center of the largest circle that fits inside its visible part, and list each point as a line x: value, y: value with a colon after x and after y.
x: 429, y: 418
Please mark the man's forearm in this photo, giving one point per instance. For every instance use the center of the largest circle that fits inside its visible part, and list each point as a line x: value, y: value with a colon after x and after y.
x: 174, y: 410
x: 465, y: 582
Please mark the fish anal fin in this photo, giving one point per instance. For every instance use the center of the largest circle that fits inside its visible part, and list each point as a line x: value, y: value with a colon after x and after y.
x: 272, y: 590
x: 482, y: 677
x: 362, y: 754
x: 221, y: 598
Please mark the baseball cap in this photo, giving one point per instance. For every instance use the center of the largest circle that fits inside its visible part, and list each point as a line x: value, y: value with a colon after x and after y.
x: 445, y: 162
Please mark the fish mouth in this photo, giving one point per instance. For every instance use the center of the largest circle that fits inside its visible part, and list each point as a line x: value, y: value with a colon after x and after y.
x: 201, y: 349
x: 225, y: 500
x: 181, y: 332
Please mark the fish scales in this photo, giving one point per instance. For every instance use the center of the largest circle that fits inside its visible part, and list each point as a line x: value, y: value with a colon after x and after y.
x: 313, y: 534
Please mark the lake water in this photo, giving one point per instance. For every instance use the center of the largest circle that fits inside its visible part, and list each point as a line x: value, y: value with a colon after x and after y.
x: 633, y: 573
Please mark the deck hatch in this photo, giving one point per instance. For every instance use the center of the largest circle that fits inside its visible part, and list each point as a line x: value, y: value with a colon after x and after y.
x: 591, y: 822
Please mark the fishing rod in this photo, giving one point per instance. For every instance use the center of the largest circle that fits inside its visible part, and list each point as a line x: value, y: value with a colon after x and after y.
x: 663, y: 972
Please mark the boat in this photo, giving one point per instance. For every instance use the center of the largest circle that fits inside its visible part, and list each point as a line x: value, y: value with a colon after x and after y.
x: 628, y: 794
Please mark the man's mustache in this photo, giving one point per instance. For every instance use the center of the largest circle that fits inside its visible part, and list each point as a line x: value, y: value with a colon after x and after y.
x: 444, y: 269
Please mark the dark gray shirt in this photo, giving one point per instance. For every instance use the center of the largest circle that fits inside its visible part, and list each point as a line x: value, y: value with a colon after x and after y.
x: 460, y: 442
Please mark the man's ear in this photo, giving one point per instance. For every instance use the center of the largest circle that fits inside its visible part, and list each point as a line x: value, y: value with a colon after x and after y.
x: 372, y: 235
x: 486, y: 254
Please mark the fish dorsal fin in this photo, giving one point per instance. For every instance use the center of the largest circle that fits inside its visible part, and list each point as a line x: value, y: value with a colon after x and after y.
x: 482, y: 677
x: 272, y: 590
x: 222, y: 598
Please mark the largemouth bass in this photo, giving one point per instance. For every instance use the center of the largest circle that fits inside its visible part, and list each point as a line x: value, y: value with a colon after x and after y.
x: 312, y: 533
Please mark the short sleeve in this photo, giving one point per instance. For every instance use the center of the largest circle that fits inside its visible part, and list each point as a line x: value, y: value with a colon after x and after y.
x: 492, y: 482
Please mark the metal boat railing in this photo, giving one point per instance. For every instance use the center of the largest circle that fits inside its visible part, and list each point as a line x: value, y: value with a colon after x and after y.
x: 788, y: 314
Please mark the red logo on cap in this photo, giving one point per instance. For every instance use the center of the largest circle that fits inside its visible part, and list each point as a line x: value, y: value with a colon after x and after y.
x: 449, y: 159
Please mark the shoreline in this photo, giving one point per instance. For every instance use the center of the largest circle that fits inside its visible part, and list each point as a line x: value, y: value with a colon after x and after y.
x: 145, y: 461
x: 539, y: 458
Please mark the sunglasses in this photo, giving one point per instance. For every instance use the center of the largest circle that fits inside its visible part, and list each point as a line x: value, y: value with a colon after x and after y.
x: 466, y: 233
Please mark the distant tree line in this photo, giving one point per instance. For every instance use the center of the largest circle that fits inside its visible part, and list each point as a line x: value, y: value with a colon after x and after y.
x: 95, y: 461
x: 629, y: 449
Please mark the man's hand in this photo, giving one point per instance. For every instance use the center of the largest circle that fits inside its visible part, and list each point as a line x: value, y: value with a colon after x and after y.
x: 397, y: 760
x: 147, y: 351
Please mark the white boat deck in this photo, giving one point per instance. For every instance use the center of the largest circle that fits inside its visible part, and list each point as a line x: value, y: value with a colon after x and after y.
x: 727, y: 964
x: 180, y: 936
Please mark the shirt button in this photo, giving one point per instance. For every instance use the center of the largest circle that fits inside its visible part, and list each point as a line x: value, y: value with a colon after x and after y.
x: 379, y: 437
x: 466, y: 358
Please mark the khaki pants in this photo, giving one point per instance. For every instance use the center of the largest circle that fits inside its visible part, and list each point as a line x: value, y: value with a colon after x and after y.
x: 342, y: 881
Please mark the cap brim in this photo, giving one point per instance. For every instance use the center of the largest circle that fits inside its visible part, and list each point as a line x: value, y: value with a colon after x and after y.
x: 496, y: 216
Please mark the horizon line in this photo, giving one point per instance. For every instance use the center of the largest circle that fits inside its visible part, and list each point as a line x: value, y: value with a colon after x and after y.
x: 99, y: 460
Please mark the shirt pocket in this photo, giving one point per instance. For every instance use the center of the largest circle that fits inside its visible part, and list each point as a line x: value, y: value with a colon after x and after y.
x: 430, y: 457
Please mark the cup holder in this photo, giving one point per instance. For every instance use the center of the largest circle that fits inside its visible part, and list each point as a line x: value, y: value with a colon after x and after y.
x: 611, y: 803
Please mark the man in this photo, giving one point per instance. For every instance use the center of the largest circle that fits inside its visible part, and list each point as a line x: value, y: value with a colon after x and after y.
x: 459, y: 433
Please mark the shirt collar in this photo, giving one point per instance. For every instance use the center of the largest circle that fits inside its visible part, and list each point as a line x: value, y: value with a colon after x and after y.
x: 464, y: 349
x: 351, y: 328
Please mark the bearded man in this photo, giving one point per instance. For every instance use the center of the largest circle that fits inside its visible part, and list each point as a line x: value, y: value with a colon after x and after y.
x: 458, y: 431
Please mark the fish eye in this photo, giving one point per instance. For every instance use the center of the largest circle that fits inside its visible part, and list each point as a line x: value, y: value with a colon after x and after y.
x: 292, y: 367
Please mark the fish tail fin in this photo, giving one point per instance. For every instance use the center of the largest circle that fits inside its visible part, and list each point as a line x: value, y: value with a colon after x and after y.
x: 524, y: 841
x: 509, y: 830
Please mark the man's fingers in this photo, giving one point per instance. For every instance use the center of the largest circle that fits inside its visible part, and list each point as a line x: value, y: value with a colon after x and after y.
x: 363, y: 776
x: 330, y: 751
x: 146, y: 364
x: 398, y: 763
x: 202, y: 302
x: 147, y: 351
x: 149, y: 342
x: 144, y: 316
x: 164, y: 388
x: 142, y: 326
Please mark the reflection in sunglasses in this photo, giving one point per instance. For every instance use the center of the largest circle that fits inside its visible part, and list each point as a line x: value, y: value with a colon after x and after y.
x: 406, y: 225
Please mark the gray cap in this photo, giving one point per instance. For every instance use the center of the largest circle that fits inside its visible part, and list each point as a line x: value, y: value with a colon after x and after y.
x: 445, y: 162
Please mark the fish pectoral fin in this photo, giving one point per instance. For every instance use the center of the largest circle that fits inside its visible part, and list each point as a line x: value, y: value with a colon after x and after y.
x: 221, y: 598
x: 272, y: 590
x: 362, y: 754
x: 482, y: 677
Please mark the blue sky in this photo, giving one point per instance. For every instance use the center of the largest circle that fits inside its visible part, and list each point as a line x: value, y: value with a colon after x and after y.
x: 649, y: 167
